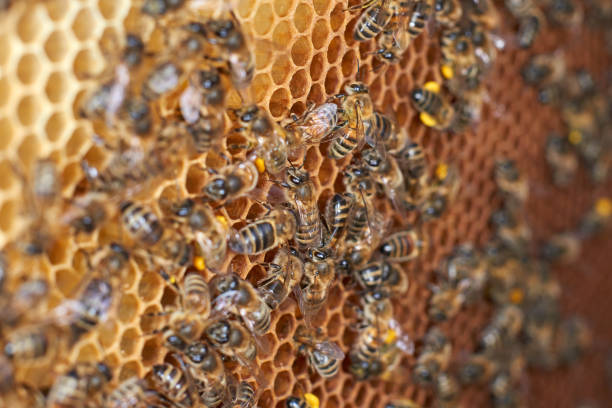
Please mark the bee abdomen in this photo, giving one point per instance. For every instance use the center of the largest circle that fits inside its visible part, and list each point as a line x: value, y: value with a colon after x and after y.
x: 372, y: 22
x: 254, y: 239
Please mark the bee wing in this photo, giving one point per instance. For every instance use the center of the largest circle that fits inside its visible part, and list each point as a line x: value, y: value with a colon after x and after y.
x: 331, y: 349
x: 225, y: 303
x: 190, y: 103
x: 403, y: 341
x: 253, y: 369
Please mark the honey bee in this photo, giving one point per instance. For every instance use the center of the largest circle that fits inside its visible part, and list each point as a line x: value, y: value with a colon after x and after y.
x: 510, y: 182
x: 132, y: 392
x: 434, y: 358
x: 511, y: 230
x: 307, y: 401
x: 205, y: 97
x: 382, y: 275
x: 466, y: 265
x: 308, y: 233
x: 445, y: 302
x: 485, y: 14
x: 377, y: 309
x: 419, y: 17
x: 141, y: 223
x: 233, y: 340
x: 319, y: 274
x: 91, y: 307
x: 387, y: 172
x: 531, y: 20
x: 33, y: 344
x: 15, y: 306
x: 478, y: 368
x: 596, y: 219
x: 239, y: 296
x: 208, y: 230
x: 160, y: 7
x: 81, y: 386
x: 138, y: 114
x: 440, y: 193
x: 189, y: 319
x: 573, y: 338
x: 403, y: 403
x: 164, y: 78
x: 284, y: 273
x: 316, y: 125
x: 323, y: 355
x: 402, y: 246
x: 109, y: 98
x: 173, y: 383
x: 356, y: 110
x: 232, y: 182
x: 563, y: 248
x: 274, y: 229
x: 392, y: 42
x: 435, y: 110
x: 337, y: 213
x: 447, y: 12
x: 234, y: 48
x: 561, y: 159
x: 544, y: 69
x: 245, y: 395
x: 269, y: 137
x: 374, y: 353
x: 447, y: 389
x: 506, y: 326
x: 373, y: 20
x: 206, y: 367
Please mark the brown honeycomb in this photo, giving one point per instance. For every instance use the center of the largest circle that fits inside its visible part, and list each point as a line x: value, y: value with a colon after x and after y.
x: 50, y: 53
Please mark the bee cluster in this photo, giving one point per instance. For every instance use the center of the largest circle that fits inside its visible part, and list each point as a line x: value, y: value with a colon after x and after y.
x: 180, y: 85
x: 583, y: 103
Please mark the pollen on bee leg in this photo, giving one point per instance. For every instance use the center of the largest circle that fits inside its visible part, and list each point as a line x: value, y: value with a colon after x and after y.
x: 199, y: 263
x: 260, y: 164
x: 447, y: 71
x: 222, y: 220
x: 432, y: 86
x: 312, y: 400
x: 574, y: 137
x: 441, y: 171
x: 427, y: 119
x: 603, y: 207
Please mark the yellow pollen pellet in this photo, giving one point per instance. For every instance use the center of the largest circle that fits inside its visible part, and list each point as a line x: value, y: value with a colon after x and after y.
x: 427, y: 119
x: 222, y: 220
x: 199, y: 263
x: 516, y: 296
x: 391, y: 336
x: 432, y: 86
x: 312, y: 400
x: 447, y: 71
x: 260, y: 164
x: 441, y: 171
x: 575, y: 137
x: 603, y: 207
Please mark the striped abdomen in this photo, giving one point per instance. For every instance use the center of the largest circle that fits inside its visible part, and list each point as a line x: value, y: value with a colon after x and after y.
x: 431, y: 103
x: 128, y: 393
x: 308, y: 233
x: 418, y: 19
x: 93, y: 306
x: 400, y: 246
x: 27, y: 345
x: 380, y: 128
x: 371, y: 276
x: 261, y: 319
x: 140, y: 222
x: 245, y: 395
x: 255, y: 238
x: 357, y: 224
x: 343, y: 144
x: 171, y: 382
x: 196, y: 296
x: 372, y: 22
x: 368, y: 345
x: 336, y: 214
x: 325, y: 365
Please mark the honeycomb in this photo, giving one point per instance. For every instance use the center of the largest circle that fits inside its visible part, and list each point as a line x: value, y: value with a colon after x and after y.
x: 50, y: 55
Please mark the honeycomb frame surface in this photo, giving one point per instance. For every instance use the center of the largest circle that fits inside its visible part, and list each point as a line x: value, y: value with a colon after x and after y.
x: 50, y: 54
